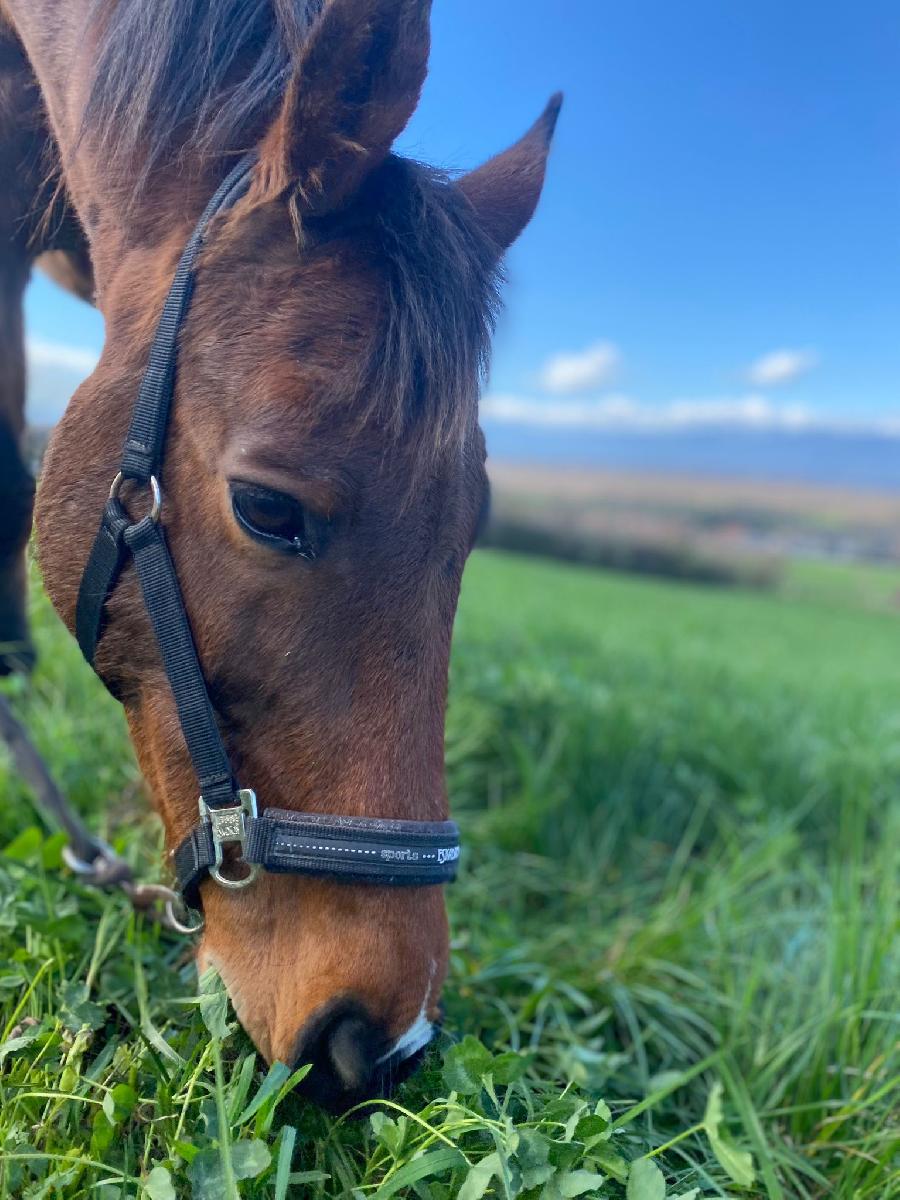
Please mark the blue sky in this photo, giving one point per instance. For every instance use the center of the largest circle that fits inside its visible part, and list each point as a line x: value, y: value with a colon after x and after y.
x: 720, y: 234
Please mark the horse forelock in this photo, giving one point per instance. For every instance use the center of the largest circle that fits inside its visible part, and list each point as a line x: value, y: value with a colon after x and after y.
x: 195, y: 75
x: 443, y: 299
x: 199, y: 79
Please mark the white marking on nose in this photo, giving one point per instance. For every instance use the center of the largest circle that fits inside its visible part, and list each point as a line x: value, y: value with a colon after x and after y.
x: 415, y: 1039
x: 419, y: 1033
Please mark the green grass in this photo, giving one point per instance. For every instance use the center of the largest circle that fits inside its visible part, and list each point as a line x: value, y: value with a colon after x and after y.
x: 675, y: 958
x: 872, y: 587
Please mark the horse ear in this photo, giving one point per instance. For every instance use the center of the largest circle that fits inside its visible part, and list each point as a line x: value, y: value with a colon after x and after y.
x: 505, y: 191
x: 355, y: 86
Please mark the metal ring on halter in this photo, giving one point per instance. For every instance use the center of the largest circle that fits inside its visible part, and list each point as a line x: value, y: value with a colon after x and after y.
x: 155, y: 491
x: 236, y: 885
x: 176, y: 924
x: 147, y: 897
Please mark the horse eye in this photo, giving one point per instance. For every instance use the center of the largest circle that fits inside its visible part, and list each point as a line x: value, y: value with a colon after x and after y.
x: 277, y: 520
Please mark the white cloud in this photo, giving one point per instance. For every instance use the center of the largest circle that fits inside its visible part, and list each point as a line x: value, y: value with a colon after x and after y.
x: 509, y: 409
x: 592, y: 368
x: 781, y: 366
x: 77, y: 359
x: 622, y: 414
x: 55, y: 370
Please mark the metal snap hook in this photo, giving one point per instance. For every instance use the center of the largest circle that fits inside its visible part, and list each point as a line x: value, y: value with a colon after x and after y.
x: 81, y: 866
x: 105, y: 870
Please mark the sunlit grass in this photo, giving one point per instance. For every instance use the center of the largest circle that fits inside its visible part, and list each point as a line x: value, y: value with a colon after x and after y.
x: 869, y: 586
x: 675, y: 937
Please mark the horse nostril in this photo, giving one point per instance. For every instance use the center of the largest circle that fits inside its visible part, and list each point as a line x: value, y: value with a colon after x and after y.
x: 351, y: 1058
x: 343, y: 1045
x: 350, y: 1051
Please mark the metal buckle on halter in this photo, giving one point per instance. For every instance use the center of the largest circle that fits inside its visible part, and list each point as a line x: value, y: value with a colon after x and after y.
x: 229, y: 828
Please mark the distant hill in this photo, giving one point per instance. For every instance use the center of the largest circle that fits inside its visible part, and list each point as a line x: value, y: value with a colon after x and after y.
x: 697, y: 527
x: 866, y: 461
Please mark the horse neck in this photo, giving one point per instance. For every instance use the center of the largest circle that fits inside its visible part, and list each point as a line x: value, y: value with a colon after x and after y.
x: 50, y: 33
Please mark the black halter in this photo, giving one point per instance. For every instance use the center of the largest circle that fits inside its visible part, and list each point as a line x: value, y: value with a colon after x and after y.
x: 353, y: 849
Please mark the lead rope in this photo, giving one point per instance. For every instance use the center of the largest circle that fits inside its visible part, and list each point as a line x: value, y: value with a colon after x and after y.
x: 91, y: 859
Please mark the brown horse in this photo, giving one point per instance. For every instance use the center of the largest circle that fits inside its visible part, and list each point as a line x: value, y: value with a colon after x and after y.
x: 326, y: 397
x: 30, y: 224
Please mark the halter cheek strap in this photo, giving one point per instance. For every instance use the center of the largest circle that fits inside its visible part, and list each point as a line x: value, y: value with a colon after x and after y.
x: 350, y: 849
x: 119, y: 539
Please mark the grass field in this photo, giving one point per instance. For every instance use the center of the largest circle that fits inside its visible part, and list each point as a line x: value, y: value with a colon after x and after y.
x: 675, y: 968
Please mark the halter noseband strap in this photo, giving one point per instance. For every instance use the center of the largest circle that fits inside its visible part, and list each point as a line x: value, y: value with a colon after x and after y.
x: 353, y: 849
x: 348, y: 849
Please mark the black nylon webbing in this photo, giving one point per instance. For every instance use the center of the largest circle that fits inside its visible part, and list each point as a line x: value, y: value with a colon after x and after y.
x: 147, y: 434
x: 108, y: 556
x: 162, y: 597
x: 192, y: 860
x: 117, y: 538
x: 347, y: 849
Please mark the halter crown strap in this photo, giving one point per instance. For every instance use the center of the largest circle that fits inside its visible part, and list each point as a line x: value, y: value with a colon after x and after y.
x: 143, y: 454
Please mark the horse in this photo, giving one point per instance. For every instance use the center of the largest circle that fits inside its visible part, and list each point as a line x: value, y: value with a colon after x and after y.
x: 324, y: 472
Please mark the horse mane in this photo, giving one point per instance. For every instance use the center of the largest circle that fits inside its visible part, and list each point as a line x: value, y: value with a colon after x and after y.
x: 200, y: 76
x: 177, y: 78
